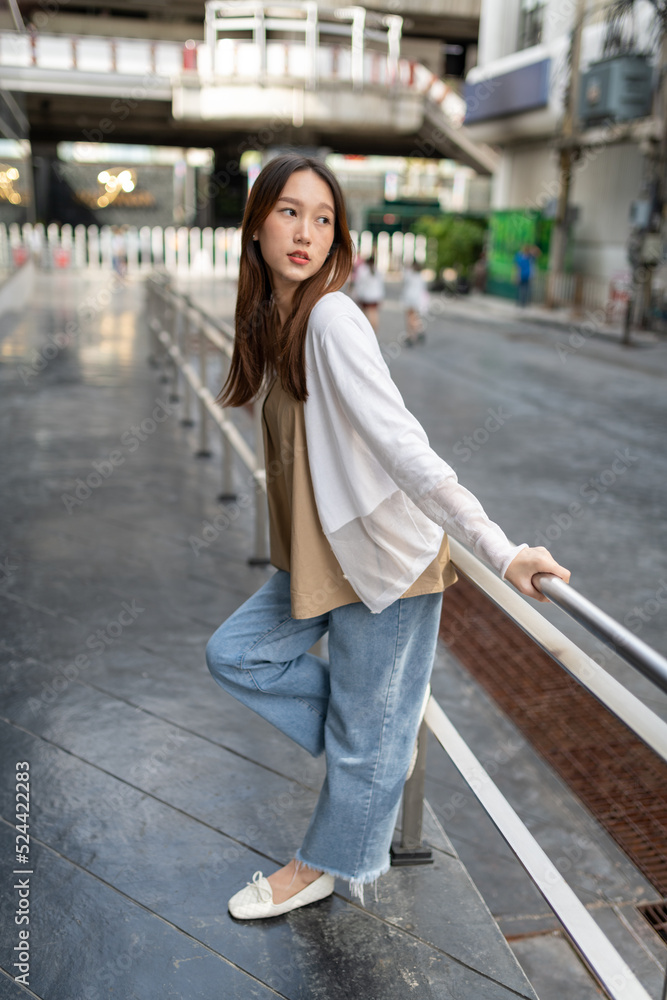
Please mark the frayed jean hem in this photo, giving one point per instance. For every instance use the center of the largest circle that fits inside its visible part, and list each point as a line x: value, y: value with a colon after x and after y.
x: 356, y: 884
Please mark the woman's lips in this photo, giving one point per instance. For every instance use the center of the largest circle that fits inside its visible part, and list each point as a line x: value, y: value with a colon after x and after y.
x: 298, y: 259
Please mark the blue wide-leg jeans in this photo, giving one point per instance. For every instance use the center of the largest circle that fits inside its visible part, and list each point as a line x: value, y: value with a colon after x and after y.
x: 361, y: 708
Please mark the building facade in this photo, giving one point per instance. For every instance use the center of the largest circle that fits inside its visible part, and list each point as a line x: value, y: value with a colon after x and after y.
x: 517, y: 99
x: 366, y: 81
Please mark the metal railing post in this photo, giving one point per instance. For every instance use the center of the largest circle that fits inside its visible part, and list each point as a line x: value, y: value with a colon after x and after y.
x: 411, y: 850
x: 185, y: 346
x: 176, y: 375
x: 261, y: 556
x: 163, y: 357
x: 228, y: 492
x: 203, y: 451
x: 154, y: 309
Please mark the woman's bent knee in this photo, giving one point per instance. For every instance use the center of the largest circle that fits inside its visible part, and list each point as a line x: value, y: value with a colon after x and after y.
x: 219, y: 658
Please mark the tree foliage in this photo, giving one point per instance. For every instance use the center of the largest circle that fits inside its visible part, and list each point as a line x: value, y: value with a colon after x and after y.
x: 620, y: 34
x: 459, y: 241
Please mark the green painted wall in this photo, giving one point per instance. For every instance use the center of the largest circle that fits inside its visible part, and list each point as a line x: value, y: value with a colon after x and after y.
x: 508, y: 232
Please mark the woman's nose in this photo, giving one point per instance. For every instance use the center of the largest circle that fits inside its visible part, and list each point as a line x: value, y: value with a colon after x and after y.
x: 303, y: 231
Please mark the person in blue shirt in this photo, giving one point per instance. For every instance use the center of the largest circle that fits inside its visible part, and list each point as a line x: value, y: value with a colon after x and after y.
x: 524, y: 264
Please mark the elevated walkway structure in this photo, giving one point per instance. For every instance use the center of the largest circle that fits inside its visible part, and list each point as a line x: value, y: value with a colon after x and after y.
x: 297, y: 74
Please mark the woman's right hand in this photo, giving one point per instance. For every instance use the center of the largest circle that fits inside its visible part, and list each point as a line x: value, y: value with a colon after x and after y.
x: 526, y: 564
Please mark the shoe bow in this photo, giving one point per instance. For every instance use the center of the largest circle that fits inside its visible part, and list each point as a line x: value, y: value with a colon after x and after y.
x: 264, y: 892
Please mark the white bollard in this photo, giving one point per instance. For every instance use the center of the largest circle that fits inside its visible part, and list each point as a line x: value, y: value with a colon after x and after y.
x: 382, y: 256
x: 80, y: 250
x: 157, y: 246
x: 366, y: 244
x: 182, y: 250
x: 219, y: 254
x: 170, y: 242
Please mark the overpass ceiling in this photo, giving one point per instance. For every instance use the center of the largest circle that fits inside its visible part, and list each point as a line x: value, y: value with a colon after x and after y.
x: 164, y: 10
x: 61, y: 118
x: 422, y: 18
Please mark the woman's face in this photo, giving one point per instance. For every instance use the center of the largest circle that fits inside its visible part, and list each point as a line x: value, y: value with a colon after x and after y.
x: 297, y: 234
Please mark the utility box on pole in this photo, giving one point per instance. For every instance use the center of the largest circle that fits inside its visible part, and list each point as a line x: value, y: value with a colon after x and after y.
x: 618, y: 89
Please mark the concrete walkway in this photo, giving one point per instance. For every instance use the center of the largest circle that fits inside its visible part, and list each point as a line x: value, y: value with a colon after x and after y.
x: 153, y: 796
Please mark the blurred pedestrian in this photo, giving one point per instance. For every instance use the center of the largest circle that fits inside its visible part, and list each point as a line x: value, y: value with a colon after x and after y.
x: 357, y: 506
x: 524, y: 261
x: 414, y: 297
x: 118, y: 251
x: 368, y: 291
x: 480, y: 272
x: 36, y: 246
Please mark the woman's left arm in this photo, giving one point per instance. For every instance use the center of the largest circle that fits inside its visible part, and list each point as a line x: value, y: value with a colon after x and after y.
x: 351, y: 362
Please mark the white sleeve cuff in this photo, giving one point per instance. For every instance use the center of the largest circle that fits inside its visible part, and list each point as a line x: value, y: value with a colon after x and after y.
x: 510, y: 558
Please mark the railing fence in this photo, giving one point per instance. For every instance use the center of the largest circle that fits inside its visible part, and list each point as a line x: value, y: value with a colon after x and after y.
x: 194, y: 351
x: 577, y: 290
x: 354, y: 59
x: 193, y: 252
x: 187, y: 251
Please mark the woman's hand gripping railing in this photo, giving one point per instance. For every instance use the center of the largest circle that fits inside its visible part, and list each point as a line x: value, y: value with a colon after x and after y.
x: 619, y: 638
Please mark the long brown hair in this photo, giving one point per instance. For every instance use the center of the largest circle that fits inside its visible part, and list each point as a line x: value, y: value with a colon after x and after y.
x: 261, y: 347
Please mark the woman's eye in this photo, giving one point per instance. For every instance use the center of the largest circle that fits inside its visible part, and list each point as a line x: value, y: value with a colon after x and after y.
x: 323, y: 218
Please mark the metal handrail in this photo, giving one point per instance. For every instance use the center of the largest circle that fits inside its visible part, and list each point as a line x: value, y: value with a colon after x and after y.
x: 587, y: 937
x: 622, y: 703
x: 624, y: 642
x: 165, y: 330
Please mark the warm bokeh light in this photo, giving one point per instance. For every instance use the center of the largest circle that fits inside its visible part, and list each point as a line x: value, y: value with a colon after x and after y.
x: 114, y: 182
x: 8, y: 175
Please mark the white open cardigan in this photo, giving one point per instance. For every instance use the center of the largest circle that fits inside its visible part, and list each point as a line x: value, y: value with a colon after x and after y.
x: 383, y: 495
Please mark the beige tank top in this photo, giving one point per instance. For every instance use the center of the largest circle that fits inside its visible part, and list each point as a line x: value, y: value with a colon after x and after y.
x: 297, y: 543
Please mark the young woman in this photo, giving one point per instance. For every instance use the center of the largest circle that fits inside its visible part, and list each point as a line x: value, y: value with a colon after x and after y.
x: 357, y: 507
x: 414, y: 297
x: 368, y: 291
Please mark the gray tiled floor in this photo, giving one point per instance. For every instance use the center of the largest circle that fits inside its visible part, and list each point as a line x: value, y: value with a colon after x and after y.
x: 480, y: 356
x: 153, y: 795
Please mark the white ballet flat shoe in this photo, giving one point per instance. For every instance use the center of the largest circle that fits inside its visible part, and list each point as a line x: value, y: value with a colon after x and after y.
x: 413, y: 759
x: 255, y: 901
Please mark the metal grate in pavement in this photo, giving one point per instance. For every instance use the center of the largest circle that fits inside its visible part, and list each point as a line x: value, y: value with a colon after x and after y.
x: 622, y: 781
x: 656, y: 914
